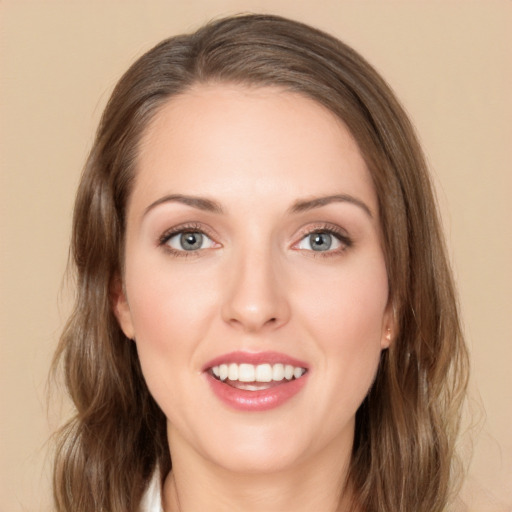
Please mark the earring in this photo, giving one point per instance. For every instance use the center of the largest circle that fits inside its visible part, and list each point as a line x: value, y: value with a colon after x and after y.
x: 388, y: 335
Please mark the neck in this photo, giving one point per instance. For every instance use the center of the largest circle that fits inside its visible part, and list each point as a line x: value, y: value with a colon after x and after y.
x: 197, y: 484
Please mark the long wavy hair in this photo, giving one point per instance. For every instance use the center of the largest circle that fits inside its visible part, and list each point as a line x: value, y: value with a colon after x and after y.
x: 403, y: 454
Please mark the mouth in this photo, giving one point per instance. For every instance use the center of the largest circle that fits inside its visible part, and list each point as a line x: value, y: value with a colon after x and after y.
x: 249, y: 377
x: 256, y: 381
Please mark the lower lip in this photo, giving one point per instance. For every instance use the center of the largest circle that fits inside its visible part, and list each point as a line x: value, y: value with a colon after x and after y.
x: 261, y: 400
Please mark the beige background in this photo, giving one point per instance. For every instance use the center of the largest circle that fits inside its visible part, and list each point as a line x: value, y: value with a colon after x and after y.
x: 450, y: 63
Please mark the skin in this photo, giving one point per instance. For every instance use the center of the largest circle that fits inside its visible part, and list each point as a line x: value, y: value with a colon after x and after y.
x: 256, y: 285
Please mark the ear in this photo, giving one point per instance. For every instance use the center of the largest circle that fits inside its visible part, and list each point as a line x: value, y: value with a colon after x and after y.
x: 121, y: 308
x: 389, y: 326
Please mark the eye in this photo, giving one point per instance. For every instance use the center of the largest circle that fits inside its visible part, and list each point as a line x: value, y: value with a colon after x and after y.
x: 189, y: 241
x: 319, y: 241
x: 324, y: 240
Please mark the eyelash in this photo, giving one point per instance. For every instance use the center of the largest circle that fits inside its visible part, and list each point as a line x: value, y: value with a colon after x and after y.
x: 178, y: 230
x: 330, y: 229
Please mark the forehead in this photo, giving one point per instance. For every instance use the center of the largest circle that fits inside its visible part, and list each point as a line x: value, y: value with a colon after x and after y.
x: 257, y: 140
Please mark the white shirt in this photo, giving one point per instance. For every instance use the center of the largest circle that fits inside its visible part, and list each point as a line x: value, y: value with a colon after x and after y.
x: 152, y: 498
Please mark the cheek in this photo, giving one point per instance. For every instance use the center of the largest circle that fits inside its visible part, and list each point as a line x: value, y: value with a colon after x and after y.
x: 349, y: 306
x: 168, y: 306
x: 346, y: 315
x: 171, y: 312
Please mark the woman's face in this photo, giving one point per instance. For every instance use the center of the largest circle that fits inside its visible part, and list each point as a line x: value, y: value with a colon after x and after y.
x: 255, y: 282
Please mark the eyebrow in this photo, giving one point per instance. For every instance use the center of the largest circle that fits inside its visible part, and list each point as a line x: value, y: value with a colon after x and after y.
x: 200, y: 203
x: 300, y: 206
x: 317, y: 202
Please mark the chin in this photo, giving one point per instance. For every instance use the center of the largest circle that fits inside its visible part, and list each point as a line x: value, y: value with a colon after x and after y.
x: 267, y: 450
x: 249, y: 446
x: 254, y: 458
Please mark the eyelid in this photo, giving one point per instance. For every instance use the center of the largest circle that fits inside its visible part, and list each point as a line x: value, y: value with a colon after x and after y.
x: 187, y: 227
x: 325, y: 227
x: 195, y: 227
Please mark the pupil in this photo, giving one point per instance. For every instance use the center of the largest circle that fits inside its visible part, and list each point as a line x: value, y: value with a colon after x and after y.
x: 191, y: 241
x: 321, y: 241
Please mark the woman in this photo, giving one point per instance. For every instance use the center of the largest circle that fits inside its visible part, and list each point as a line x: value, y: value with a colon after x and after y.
x: 265, y: 317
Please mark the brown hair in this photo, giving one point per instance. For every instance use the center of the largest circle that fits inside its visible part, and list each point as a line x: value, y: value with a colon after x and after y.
x: 405, y: 429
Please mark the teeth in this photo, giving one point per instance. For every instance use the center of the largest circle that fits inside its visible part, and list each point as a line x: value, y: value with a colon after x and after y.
x: 297, y: 372
x: 260, y: 373
x: 233, y: 371
x: 263, y: 373
x: 223, y: 371
x: 246, y: 373
x: 278, y: 372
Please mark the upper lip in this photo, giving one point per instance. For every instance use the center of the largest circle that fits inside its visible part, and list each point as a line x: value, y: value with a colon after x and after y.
x: 255, y: 358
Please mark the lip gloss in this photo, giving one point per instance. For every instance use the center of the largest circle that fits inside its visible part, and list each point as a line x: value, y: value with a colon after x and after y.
x: 260, y: 400
x: 275, y: 395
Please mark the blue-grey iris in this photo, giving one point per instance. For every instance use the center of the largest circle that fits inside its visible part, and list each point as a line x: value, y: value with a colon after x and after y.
x: 320, y: 241
x: 191, y: 241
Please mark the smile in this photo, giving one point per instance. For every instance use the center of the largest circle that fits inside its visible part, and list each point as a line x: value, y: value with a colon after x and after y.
x: 253, y: 378
x: 257, y: 385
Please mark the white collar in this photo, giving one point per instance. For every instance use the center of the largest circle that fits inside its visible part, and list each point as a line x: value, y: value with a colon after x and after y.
x: 152, y: 498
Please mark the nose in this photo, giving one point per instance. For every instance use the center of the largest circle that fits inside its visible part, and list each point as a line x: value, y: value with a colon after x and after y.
x: 255, y: 297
